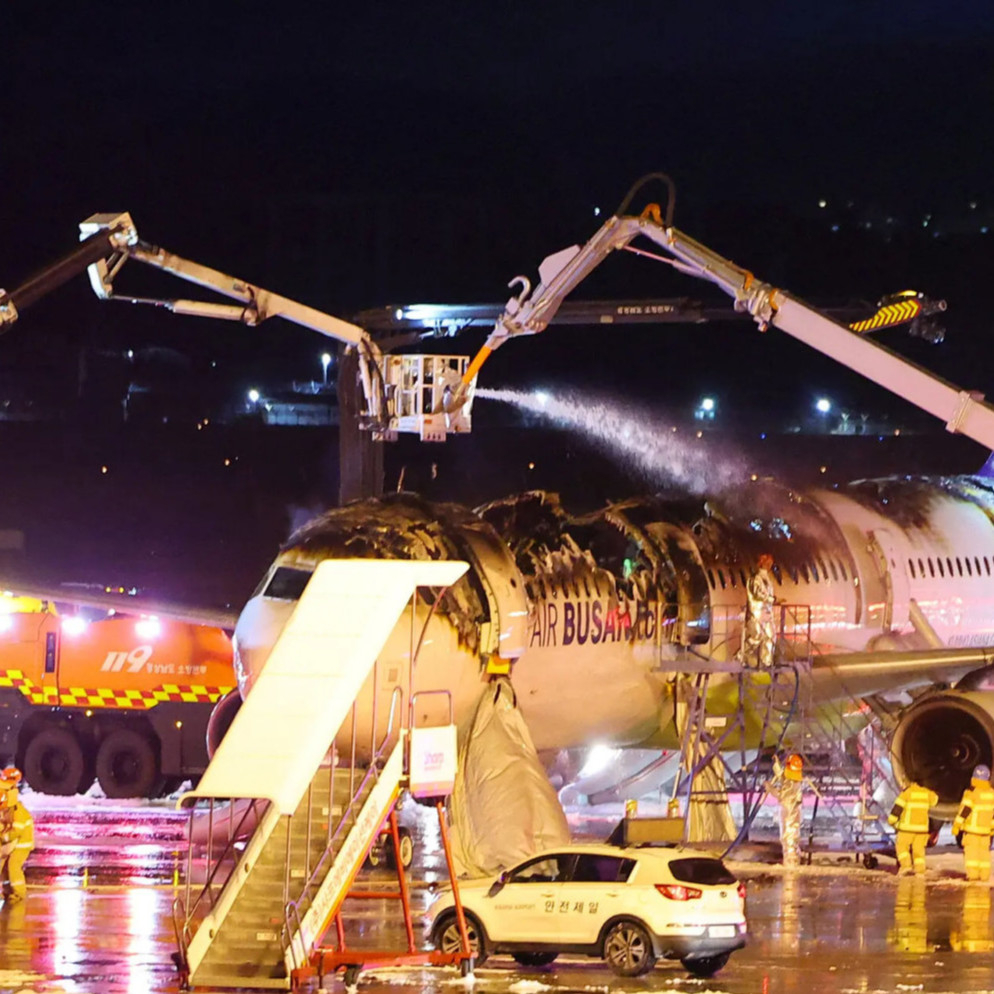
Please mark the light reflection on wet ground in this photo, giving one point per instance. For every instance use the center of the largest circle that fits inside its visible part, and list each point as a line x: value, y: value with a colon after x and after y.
x: 98, y: 919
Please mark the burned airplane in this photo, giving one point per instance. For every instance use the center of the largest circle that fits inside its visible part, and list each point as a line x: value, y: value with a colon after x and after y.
x: 885, y: 584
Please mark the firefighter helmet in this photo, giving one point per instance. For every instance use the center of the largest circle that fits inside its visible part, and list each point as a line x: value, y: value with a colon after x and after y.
x: 981, y: 772
x: 10, y: 775
x: 793, y: 767
x: 764, y: 560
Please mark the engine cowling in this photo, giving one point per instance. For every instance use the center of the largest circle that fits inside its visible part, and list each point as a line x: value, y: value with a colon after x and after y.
x: 940, y: 739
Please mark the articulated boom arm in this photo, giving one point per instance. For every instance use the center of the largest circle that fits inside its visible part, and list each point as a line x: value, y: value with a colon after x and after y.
x: 530, y: 313
x: 400, y: 391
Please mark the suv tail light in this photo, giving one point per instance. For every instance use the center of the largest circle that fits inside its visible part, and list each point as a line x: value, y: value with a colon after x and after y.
x: 678, y: 892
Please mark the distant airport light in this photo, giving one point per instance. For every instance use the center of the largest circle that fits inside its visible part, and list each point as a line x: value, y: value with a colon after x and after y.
x: 253, y: 396
x: 823, y: 405
x: 541, y: 398
x: 325, y: 362
x: 823, y: 203
x: 74, y: 625
x: 706, y: 409
x: 148, y: 628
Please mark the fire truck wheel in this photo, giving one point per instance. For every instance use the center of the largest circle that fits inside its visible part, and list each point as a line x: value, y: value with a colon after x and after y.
x: 54, y: 763
x: 126, y: 764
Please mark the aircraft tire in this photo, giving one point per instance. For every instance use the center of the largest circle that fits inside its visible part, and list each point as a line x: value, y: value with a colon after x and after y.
x: 54, y: 763
x: 127, y: 765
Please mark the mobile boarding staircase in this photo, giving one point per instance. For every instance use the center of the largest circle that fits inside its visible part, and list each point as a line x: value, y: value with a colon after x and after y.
x: 297, y: 832
x: 739, y: 715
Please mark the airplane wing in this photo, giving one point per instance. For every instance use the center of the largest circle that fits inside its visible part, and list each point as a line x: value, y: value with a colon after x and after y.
x: 865, y: 673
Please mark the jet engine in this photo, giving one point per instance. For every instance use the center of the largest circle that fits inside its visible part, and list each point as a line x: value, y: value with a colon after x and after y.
x: 940, y: 739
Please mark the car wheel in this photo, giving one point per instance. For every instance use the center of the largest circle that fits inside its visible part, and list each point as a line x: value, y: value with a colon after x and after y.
x: 127, y: 765
x: 446, y: 938
x: 534, y: 959
x: 54, y: 763
x: 705, y: 966
x: 628, y: 949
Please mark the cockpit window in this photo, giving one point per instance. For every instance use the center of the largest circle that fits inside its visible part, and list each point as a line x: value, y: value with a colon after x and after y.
x: 287, y: 583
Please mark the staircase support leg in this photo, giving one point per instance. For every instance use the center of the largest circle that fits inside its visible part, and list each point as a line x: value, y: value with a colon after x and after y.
x: 457, y: 900
x: 405, y: 899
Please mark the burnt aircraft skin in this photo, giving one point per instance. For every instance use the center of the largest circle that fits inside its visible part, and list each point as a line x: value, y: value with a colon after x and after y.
x: 595, y: 610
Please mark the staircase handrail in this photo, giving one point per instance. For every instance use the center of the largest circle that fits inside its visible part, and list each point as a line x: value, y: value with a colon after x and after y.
x: 190, y: 908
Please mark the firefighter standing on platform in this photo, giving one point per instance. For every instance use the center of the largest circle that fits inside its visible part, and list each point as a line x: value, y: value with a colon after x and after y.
x: 17, y: 836
x: 758, y: 636
x: 973, y: 824
x: 910, y: 816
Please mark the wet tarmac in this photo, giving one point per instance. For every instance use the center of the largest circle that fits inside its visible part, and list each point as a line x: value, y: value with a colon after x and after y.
x: 102, y: 882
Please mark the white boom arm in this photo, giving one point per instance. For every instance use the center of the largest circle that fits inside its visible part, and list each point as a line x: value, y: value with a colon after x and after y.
x: 529, y: 313
x: 401, y: 392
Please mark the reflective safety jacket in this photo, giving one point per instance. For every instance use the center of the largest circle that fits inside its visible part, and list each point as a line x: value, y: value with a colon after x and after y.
x: 976, y: 810
x: 17, y: 825
x: 910, y: 811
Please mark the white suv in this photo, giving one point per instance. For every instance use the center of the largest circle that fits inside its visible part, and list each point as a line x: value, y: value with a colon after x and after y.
x: 631, y: 906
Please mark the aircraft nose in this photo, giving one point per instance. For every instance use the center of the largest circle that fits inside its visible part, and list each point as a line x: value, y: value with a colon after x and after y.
x: 259, y: 627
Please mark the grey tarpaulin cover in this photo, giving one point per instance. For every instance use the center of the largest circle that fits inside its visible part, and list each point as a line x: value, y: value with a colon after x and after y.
x: 503, y: 807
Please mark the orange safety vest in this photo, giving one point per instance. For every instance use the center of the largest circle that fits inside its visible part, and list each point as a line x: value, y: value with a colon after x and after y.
x: 976, y: 810
x: 914, y: 802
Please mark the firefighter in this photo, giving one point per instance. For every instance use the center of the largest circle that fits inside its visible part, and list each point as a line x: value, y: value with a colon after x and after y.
x: 758, y: 636
x: 910, y: 816
x: 17, y: 836
x: 972, y: 825
x: 787, y: 786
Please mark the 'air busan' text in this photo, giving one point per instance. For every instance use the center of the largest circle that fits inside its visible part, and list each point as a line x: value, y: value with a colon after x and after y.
x: 570, y: 623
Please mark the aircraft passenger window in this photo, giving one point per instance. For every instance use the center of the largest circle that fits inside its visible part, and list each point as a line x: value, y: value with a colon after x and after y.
x: 731, y: 577
x: 792, y: 573
x: 842, y: 570
x: 969, y: 568
x: 949, y: 563
x: 804, y: 573
x: 911, y: 569
x: 987, y: 566
x: 742, y: 576
x: 824, y: 569
x: 814, y: 572
x: 938, y: 562
x: 931, y: 568
x: 921, y: 568
x: 831, y: 564
x: 711, y: 579
x: 976, y: 562
x: 721, y: 578
x: 288, y: 583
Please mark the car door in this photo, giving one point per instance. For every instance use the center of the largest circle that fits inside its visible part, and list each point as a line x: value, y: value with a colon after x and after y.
x: 595, y: 891
x: 526, y: 909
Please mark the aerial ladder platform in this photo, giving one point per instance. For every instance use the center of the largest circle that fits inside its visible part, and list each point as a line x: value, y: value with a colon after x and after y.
x: 297, y: 829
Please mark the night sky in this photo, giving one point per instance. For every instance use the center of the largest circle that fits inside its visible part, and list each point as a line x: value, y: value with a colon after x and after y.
x: 375, y: 154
